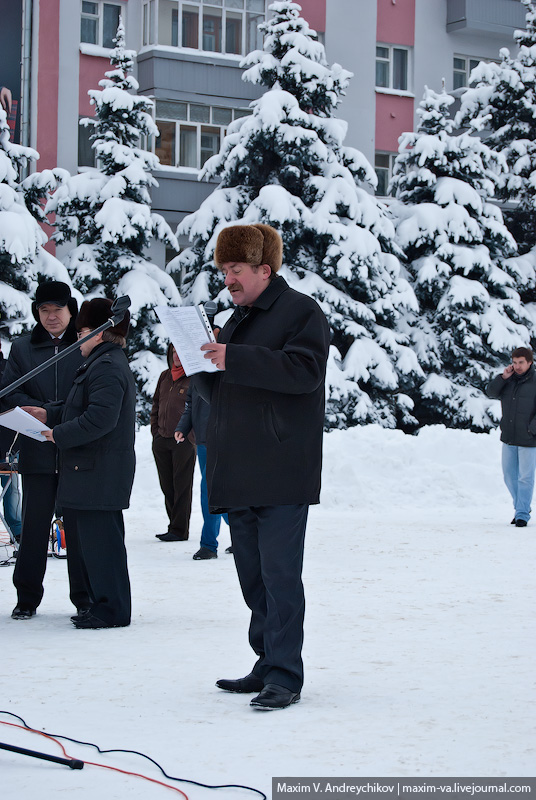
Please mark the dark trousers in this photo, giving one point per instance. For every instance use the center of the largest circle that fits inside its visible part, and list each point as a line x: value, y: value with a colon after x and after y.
x: 175, y: 464
x: 38, y: 505
x: 268, y: 551
x: 211, y: 522
x: 96, y: 547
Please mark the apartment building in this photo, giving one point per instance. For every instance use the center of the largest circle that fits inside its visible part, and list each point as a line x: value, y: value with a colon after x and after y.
x: 189, y: 51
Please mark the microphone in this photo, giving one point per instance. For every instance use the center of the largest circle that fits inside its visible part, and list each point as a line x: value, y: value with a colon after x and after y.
x: 211, y: 309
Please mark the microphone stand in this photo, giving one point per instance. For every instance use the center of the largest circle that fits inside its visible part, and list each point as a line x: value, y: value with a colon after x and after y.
x: 73, y: 763
x: 118, y: 309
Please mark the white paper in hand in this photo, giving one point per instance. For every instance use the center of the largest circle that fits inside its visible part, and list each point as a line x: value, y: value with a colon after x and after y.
x: 188, y: 328
x: 18, y: 420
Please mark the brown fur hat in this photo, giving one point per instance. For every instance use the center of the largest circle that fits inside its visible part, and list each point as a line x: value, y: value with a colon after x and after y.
x: 249, y: 244
x: 96, y: 312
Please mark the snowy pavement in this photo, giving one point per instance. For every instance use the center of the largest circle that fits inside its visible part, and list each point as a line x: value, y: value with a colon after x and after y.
x: 419, y: 650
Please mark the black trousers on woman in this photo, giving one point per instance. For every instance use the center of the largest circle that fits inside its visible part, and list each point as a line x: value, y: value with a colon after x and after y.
x: 96, y: 547
x: 38, y: 506
x: 175, y: 464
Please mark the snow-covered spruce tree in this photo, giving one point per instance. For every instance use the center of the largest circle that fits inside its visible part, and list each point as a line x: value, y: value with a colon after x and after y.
x: 456, y: 244
x: 286, y: 166
x: 23, y: 260
x: 502, y: 105
x: 108, y: 211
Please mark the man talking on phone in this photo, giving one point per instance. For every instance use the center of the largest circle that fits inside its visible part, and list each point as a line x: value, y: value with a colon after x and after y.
x: 515, y: 387
x: 264, y: 448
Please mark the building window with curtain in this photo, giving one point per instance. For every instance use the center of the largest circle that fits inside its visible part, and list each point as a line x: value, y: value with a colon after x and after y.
x: 191, y: 133
x: 86, y: 154
x: 148, y: 34
x: 99, y: 22
x: 212, y: 26
x: 462, y: 68
x: 383, y: 166
x: 392, y: 67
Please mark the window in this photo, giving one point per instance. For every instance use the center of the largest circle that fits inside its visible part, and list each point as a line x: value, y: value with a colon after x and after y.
x: 214, y: 26
x: 148, y: 22
x: 462, y: 67
x: 392, y: 67
x: 99, y: 22
x: 383, y: 165
x: 86, y: 154
x: 190, y: 133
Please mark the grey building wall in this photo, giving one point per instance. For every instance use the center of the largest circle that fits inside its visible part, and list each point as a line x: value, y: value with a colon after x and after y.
x: 68, y: 91
x: 351, y: 41
x: 434, y: 53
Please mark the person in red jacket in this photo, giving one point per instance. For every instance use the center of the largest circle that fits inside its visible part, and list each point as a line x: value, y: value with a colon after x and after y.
x: 174, y: 463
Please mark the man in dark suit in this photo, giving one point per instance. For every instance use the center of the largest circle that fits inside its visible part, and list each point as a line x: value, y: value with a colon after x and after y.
x: 53, y: 309
x: 94, y: 431
x: 264, y: 448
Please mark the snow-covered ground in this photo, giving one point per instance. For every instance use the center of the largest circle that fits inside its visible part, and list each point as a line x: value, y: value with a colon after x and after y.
x: 419, y: 650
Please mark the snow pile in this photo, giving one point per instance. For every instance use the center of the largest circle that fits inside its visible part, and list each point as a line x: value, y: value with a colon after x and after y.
x: 419, y: 638
x: 286, y: 165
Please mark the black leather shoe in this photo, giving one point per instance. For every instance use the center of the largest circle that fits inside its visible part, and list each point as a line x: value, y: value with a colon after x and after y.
x: 80, y: 612
x: 521, y: 523
x: 229, y: 550
x: 251, y: 683
x: 22, y: 612
x: 90, y: 621
x: 204, y: 553
x: 171, y: 537
x: 274, y: 696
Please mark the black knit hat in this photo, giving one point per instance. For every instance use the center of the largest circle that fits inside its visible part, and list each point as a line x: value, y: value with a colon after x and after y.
x: 55, y: 292
x: 94, y: 313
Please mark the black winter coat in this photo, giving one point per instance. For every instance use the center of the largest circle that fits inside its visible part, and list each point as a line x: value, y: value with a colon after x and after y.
x: 96, y: 434
x: 518, y: 401
x: 51, y: 385
x: 264, y: 436
x: 195, y: 416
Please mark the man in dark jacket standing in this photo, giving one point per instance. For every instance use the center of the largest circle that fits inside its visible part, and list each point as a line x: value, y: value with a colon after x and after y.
x: 175, y: 465
x: 94, y: 431
x: 516, y: 389
x: 264, y: 449
x: 54, y: 309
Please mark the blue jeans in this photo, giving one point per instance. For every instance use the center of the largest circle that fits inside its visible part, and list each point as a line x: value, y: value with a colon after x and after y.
x: 519, y: 466
x: 13, y: 504
x: 211, y: 522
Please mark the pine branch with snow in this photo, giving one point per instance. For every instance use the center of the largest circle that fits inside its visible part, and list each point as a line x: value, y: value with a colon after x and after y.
x: 502, y: 104
x: 107, y: 210
x: 459, y: 258
x: 286, y: 165
x: 24, y: 262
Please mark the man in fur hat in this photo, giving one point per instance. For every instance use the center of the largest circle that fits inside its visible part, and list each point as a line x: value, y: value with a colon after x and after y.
x: 94, y: 432
x: 54, y: 310
x: 264, y: 448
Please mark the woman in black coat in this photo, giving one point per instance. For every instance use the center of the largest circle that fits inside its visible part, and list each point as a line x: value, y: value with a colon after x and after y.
x: 94, y: 431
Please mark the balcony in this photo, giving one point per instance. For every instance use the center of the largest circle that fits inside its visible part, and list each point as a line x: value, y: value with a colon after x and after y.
x: 497, y: 18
